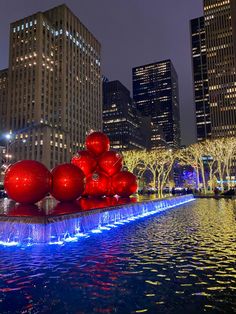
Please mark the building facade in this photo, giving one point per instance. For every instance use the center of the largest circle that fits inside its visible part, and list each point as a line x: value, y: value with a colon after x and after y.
x: 120, y: 118
x: 220, y: 27
x: 200, y: 78
x: 54, y: 84
x: 155, y: 91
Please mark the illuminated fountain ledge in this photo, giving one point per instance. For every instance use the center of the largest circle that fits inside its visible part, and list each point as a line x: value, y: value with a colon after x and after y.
x: 27, y: 231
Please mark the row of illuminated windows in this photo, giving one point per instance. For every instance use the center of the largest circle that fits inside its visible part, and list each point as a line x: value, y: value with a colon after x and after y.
x: 217, y: 4
x: 81, y: 44
x: 24, y: 26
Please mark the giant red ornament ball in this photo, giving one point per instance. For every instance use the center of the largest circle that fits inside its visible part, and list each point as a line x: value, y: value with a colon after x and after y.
x: 110, y: 163
x: 85, y: 161
x: 68, y: 182
x: 97, y: 184
x: 27, y: 181
x: 124, y: 183
x: 97, y: 143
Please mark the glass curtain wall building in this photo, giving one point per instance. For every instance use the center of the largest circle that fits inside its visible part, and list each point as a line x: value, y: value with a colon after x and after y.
x: 200, y: 78
x: 220, y: 27
x: 155, y: 91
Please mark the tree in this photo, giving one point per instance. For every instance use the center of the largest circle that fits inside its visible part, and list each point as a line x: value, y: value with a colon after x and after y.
x: 160, y: 163
x: 132, y: 159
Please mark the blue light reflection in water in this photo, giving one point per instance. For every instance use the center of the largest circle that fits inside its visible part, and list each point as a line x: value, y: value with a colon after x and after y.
x: 59, y: 230
x: 179, y: 261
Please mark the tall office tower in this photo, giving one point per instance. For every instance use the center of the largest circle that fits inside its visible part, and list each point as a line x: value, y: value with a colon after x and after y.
x: 155, y: 91
x: 220, y: 25
x: 200, y: 78
x: 3, y: 99
x: 54, y: 86
x: 120, y: 120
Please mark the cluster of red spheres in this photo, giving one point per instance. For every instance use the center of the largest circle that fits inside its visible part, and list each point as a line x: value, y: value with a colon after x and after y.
x: 94, y: 172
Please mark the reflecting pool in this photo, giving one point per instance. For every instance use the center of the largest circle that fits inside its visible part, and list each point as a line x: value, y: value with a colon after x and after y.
x: 178, y: 261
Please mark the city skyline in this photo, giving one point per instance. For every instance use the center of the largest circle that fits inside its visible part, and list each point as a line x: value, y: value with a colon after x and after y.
x: 137, y: 41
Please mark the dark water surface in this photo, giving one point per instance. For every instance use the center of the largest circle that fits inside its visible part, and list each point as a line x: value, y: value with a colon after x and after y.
x: 180, y: 261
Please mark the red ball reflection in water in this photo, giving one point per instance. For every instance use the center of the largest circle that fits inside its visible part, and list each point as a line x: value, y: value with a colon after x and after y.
x: 126, y: 200
x: 63, y: 208
x: 85, y: 161
x: 25, y: 210
x: 124, y: 183
x: 68, y: 182
x: 27, y: 181
x: 97, y: 143
x: 111, y: 201
x: 91, y: 203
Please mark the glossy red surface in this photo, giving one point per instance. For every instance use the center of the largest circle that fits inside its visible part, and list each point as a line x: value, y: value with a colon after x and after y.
x: 64, y: 208
x: 26, y: 210
x: 85, y: 161
x: 110, y: 189
x: 67, y: 182
x: 97, y: 143
x: 92, y: 203
x: 97, y: 184
x: 126, y: 200
x: 110, y: 162
x: 27, y: 181
x: 124, y: 183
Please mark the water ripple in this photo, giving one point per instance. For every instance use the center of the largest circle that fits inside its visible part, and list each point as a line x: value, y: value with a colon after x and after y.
x: 182, y: 261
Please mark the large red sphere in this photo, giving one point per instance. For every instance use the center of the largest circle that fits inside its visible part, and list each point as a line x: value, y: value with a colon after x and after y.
x: 124, y: 183
x: 85, y: 161
x: 97, y: 143
x: 110, y: 163
x: 96, y: 184
x: 67, y: 182
x: 27, y: 181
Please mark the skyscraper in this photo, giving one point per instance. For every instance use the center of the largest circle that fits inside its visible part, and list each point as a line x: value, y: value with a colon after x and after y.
x: 200, y: 78
x: 220, y: 26
x: 54, y: 86
x: 155, y: 91
x: 3, y: 98
x: 120, y: 118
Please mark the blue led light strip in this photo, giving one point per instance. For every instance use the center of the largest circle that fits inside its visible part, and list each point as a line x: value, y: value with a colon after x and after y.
x: 70, y: 228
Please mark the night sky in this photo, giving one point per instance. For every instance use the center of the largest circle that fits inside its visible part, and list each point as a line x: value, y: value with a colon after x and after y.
x: 132, y: 33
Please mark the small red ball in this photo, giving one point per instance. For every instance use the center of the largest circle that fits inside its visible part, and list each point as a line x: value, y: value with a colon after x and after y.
x: 124, y: 183
x: 110, y: 163
x: 96, y: 184
x: 27, y: 181
x: 85, y: 161
x: 97, y: 143
x: 68, y: 182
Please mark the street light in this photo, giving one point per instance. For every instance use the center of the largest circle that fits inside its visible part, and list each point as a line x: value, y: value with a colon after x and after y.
x: 8, y: 136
